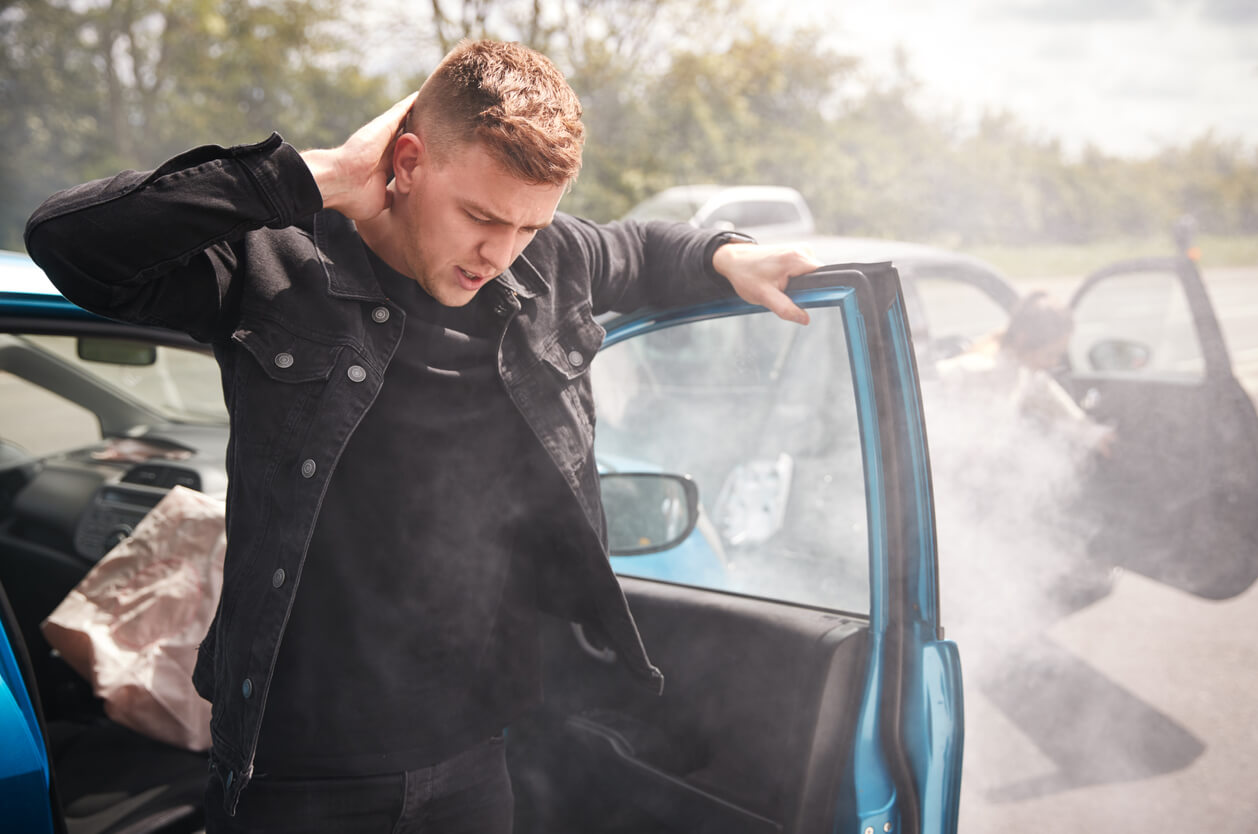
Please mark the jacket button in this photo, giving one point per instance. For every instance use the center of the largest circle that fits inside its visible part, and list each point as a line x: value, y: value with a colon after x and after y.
x: 246, y: 689
x: 380, y: 315
x: 308, y: 468
x: 277, y: 578
x: 356, y: 373
x: 283, y: 360
x: 575, y: 357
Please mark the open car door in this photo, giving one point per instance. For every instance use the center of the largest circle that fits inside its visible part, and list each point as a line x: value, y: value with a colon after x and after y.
x: 807, y: 684
x: 1180, y: 486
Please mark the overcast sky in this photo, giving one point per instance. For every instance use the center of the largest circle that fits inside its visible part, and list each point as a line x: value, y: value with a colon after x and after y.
x: 1128, y: 76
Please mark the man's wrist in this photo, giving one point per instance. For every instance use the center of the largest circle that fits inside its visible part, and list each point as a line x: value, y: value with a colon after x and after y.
x: 714, y: 246
x: 323, y: 167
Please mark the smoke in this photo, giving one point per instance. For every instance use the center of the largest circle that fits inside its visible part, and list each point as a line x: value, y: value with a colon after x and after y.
x: 1012, y: 531
x: 1015, y: 556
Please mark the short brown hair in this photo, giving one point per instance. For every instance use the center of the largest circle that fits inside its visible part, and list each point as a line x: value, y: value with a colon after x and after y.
x: 512, y: 100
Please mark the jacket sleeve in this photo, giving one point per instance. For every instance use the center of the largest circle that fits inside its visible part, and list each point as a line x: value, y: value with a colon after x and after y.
x: 164, y: 247
x: 633, y: 264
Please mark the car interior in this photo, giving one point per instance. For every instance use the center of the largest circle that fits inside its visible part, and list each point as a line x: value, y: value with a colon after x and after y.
x: 752, y: 732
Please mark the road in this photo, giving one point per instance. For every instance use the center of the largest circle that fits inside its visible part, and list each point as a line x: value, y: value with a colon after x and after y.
x: 1136, y: 713
x: 1234, y: 293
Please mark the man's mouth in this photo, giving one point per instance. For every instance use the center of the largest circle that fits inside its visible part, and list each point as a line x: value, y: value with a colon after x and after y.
x: 470, y: 280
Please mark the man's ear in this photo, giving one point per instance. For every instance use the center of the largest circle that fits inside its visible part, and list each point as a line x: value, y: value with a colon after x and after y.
x: 408, y: 160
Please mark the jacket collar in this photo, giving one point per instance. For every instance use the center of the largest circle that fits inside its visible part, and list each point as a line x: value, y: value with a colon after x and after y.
x: 523, y: 279
x: 343, y: 255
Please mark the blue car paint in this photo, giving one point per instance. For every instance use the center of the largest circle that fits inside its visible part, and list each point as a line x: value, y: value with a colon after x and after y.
x: 933, y: 713
x: 872, y: 798
x: 24, y: 795
x: 39, y: 305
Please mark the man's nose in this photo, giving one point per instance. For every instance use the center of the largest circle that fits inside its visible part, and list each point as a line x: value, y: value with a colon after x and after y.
x: 498, y: 249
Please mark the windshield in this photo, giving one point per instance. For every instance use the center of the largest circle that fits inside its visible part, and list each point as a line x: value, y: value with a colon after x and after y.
x: 63, y: 380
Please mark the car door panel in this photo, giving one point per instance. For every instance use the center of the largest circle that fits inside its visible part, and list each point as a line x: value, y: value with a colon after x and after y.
x: 1181, y: 480
x: 785, y: 707
x: 759, y: 704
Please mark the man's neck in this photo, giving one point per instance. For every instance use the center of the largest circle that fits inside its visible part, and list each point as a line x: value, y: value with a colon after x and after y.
x: 378, y: 234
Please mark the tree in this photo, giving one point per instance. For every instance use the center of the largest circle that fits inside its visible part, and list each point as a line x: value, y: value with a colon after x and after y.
x: 97, y: 86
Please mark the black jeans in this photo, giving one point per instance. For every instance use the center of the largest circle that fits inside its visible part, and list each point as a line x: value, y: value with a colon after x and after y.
x: 467, y: 794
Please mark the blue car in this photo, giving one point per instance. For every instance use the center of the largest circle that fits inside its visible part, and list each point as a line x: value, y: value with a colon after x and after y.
x: 809, y: 687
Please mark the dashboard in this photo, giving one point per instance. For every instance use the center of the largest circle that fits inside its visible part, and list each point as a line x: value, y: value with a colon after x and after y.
x: 85, y: 501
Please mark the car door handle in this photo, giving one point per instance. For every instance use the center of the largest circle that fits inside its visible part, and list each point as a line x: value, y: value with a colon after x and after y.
x: 603, y: 655
x: 1091, y: 400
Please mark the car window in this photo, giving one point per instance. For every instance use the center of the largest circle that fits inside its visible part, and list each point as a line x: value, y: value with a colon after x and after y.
x: 39, y: 422
x: 761, y: 413
x: 1138, y: 323
x: 179, y: 384
x: 672, y: 207
x: 957, y: 313
x: 44, y: 410
x: 746, y: 213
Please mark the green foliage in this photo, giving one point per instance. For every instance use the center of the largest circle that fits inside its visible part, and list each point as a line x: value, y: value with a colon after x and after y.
x: 101, y: 85
x: 674, y: 91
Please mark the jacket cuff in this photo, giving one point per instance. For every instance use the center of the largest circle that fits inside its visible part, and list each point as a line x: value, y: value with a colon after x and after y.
x: 709, y: 252
x: 283, y: 177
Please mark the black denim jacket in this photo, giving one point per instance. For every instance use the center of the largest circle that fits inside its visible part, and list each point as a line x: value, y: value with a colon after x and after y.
x: 231, y: 245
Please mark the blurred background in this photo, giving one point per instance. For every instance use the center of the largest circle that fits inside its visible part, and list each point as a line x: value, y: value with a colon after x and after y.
x: 1047, y: 137
x: 986, y: 124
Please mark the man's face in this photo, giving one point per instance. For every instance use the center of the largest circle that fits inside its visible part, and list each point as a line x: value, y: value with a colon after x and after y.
x: 465, y: 221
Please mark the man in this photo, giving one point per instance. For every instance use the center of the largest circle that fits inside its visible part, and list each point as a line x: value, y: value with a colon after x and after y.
x: 404, y: 326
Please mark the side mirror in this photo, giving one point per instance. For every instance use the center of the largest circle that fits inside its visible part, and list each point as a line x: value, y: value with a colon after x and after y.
x: 1119, y: 355
x: 648, y: 512
x: 116, y: 351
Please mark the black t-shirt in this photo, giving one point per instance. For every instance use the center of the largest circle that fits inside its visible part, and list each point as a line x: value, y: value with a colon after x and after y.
x: 414, y: 634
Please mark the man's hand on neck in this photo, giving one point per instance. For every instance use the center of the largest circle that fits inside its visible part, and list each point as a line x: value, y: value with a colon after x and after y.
x: 354, y: 178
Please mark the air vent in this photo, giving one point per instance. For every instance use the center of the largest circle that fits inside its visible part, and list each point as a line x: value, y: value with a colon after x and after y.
x: 162, y: 476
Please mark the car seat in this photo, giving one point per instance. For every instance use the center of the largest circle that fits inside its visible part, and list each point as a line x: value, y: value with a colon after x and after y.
x: 106, y: 778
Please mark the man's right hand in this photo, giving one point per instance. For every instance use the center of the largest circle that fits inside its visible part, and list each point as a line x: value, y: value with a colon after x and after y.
x: 354, y: 178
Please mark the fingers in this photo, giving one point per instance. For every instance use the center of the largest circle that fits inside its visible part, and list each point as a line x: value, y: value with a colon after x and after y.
x: 796, y: 261
x: 801, y: 260
x: 395, y: 116
x: 780, y: 304
x: 760, y: 275
x: 393, y: 121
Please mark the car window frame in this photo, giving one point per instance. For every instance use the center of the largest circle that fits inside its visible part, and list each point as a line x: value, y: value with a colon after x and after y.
x: 906, y: 753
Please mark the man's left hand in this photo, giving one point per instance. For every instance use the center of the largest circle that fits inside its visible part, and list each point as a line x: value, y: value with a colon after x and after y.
x: 759, y: 274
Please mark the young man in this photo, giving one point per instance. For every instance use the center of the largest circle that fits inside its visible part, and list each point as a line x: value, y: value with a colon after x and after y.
x: 404, y: 326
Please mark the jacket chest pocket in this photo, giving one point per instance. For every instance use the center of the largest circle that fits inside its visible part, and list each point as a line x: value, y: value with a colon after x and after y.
x: 280, y: 378
x: 565, y: 370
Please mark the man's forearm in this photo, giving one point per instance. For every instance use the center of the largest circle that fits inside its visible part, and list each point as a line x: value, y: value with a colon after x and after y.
x: 102, y: 241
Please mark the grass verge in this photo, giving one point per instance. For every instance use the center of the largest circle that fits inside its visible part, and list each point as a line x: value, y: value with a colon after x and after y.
x: 1051, y: 260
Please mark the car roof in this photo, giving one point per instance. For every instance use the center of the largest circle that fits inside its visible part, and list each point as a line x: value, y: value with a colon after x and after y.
x: 19, y: 274
x: 702, y: 192
x: 26, y: 293
x: 877, y: 250
x: 914, y: 262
